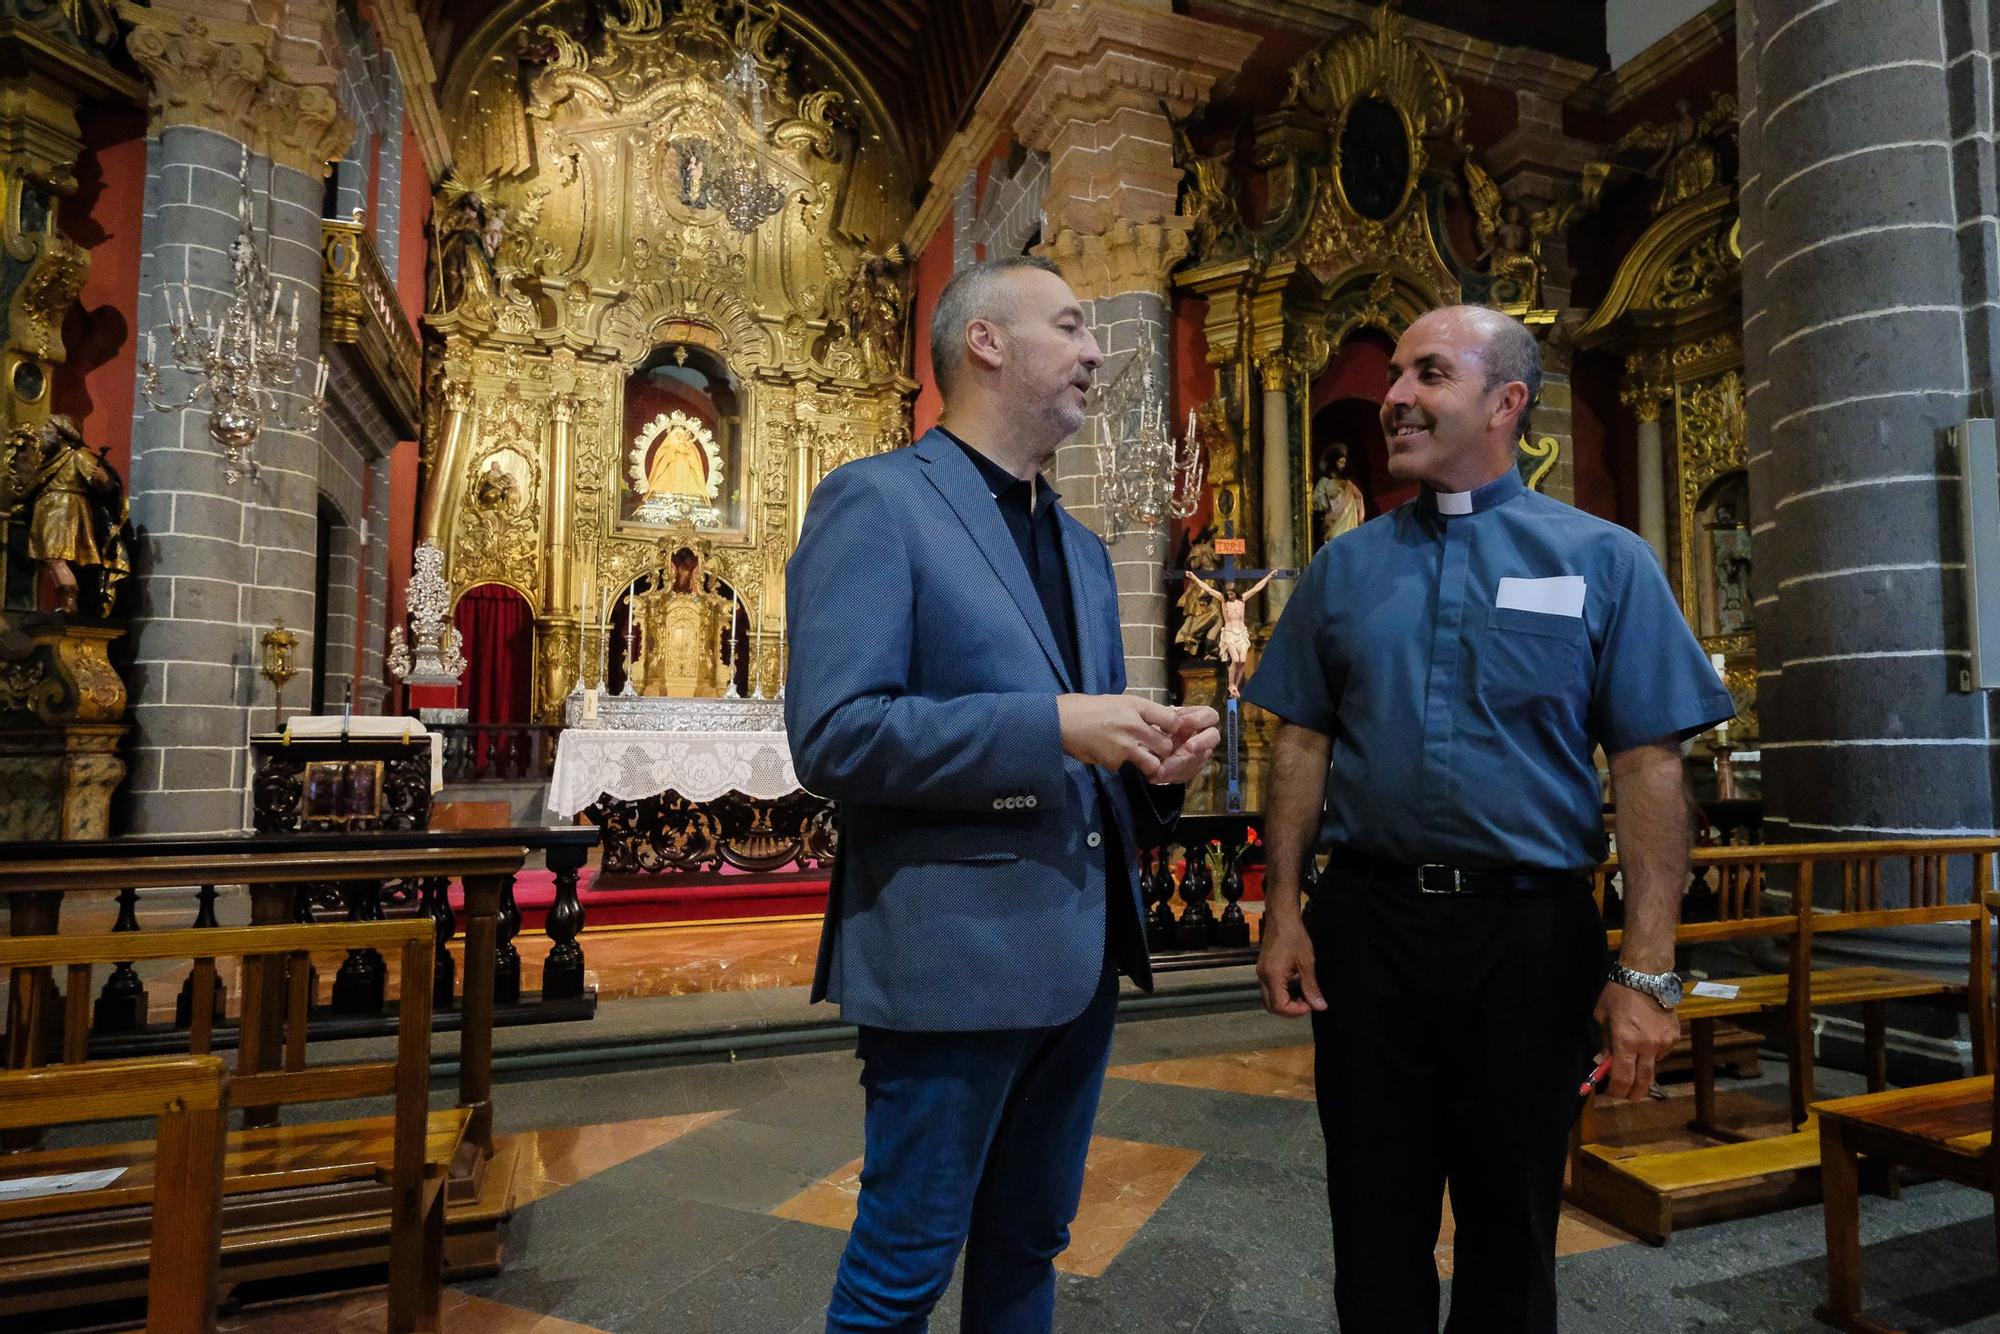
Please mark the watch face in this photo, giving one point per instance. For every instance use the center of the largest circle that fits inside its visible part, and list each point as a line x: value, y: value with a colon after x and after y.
x: 1670, y: 988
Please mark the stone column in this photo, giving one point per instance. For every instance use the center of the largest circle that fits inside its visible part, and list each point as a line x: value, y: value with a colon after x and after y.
x: 1869, y: 279
x: 1280, y: 547
x: 1092, y: 86
x: 1645, y: 400
x: 218, y: 562
x: 372, y: 692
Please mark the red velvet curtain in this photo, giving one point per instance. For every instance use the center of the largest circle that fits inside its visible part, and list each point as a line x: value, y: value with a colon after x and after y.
x: 499, y: 636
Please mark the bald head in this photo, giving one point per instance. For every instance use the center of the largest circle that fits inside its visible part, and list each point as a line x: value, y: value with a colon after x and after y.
x: 1462, y: 382
x: 1505, y: 348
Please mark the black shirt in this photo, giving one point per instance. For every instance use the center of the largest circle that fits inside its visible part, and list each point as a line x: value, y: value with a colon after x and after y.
x: 1028, y: 508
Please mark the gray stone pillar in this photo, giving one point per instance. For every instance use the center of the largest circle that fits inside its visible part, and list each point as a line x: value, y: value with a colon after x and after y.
x: 372, y: 691
x: 1868, y: 230
x: 1869, y: 279
x: 192, y: 570
x: 1128, y: 326
x: 219, y: 562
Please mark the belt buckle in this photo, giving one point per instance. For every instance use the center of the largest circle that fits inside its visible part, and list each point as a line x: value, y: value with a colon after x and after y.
x: 1456, y: 885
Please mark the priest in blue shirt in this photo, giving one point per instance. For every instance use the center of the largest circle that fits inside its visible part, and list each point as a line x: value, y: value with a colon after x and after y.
x: 1443, y: 676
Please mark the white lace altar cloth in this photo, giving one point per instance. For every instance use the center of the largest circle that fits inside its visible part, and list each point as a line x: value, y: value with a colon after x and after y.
x: 700, y: 766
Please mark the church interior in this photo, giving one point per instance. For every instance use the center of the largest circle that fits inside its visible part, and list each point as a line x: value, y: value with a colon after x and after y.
x: 410, y: 409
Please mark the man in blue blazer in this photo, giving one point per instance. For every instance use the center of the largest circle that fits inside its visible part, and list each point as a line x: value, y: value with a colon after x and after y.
x: 957, y: 686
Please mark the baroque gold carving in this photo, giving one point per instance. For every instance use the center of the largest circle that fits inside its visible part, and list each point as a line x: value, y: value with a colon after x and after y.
x: 570, y: 125
x: 1709, y: 438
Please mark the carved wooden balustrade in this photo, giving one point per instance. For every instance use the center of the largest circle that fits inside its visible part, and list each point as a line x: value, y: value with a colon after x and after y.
x: 363, y: 323
x: 498, y: 752
x: 358, y: 1006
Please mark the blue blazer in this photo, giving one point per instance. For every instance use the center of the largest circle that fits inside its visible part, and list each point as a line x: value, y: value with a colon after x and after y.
x: 969, y: 892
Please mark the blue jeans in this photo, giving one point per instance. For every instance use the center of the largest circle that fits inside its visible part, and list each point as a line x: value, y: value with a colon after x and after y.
x: 974, y: 1140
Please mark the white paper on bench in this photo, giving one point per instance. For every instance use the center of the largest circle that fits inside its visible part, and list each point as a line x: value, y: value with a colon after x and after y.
x: 1719, y: 990
x: 68, y: 1183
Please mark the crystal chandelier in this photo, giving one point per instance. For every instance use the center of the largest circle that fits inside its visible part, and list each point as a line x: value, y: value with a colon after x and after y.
x: 1147, y: 476
x: 440, y: 658
x: 241, y: 362
x: 716, y: 171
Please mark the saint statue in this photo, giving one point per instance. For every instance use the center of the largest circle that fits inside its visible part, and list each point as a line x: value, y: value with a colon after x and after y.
x: 1336, y: 499
x: 77, y: 512
x: 678, y: 466
x: 1234, y: 642
x: 681, y: 619
x: 1199, y: 618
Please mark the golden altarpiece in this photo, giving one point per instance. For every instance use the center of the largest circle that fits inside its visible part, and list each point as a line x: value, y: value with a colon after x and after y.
x: 1674, y: 317
x: 625, y: 349
x: 1358, y: 172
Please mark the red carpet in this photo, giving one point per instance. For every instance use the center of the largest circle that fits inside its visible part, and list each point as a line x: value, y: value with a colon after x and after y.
x: 685, y: 899
x: 698, y: 898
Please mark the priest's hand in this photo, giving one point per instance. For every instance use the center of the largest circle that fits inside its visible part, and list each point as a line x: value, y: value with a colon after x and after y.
x: 1637, y: 1033
x: 1194, y: 738
x: 1285, y: 965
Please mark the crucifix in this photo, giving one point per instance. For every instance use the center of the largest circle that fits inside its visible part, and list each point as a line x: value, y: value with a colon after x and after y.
x: 1235, y: 637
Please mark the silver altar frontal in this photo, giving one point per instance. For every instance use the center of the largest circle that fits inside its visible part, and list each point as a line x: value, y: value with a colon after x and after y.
x: 659, y: 713
x: 687, y: 786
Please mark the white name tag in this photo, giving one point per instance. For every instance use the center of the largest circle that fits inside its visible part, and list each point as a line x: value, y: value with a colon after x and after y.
x: 1560, y: 596
x: 1719, y: 990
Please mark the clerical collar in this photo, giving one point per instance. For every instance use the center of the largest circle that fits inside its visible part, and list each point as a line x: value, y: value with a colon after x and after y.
x: 1457, y: 503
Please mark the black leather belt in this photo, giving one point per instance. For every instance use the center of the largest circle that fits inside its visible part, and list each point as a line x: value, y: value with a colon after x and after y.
x: 1434, y: 878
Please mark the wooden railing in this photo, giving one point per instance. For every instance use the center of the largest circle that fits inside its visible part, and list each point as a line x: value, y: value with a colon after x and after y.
x: 34, y: 877
x: 498, y: 752
x: 359, y: 310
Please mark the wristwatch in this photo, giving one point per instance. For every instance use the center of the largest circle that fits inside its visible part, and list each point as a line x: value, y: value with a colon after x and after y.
x: 1662, y: 987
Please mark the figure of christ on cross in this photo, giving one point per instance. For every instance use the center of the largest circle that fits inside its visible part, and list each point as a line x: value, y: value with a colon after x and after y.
x: 1234, y: 643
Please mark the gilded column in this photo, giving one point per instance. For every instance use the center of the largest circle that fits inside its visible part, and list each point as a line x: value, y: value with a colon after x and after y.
x: 447, y: 461
x: 557, y: 642
x: 558, y: 597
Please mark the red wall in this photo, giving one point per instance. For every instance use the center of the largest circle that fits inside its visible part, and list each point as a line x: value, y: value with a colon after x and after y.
x: 933, y: 272
x: 100, y: 333
x: 1193, y: 385
x: 411, y: 258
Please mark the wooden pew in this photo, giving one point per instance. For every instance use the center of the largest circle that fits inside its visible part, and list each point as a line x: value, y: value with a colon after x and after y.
x: 1649, y: 1193
x: 1946, y: 1129
x: 329, y: 1204
x: 188, y: 1097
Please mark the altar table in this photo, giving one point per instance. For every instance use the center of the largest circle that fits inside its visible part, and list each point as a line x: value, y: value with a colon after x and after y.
x: 686, y: 795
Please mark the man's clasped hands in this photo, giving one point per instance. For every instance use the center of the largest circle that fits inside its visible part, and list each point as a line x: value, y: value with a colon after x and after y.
x: 1166, y: 743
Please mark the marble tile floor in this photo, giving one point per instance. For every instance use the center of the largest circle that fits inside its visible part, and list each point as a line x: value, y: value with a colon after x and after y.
x: 712, y: 1199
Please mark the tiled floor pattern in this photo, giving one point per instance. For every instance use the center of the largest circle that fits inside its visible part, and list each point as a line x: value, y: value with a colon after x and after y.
x: 545, y: 1162
x: 1124, y: 1183
x: 1203, y: 1210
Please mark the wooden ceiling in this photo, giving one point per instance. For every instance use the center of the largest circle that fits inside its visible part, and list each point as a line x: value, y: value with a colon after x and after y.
x: 927, y: 59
